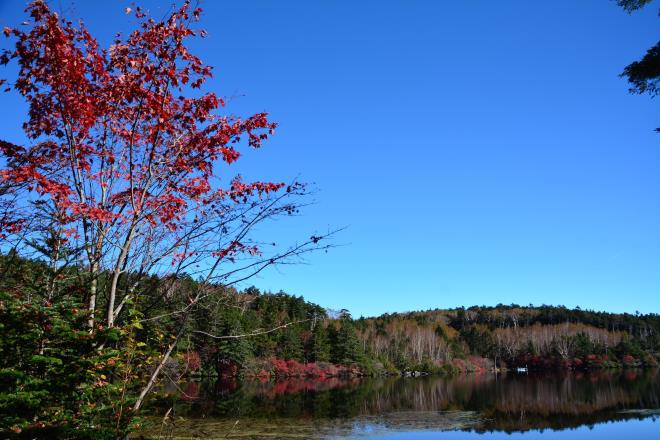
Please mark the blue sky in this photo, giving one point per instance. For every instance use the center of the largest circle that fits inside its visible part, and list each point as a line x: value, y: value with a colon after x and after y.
x: 479, y: 152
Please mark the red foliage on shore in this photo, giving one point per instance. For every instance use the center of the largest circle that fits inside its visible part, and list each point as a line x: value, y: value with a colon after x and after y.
x: 588, y: 362
x: 192, y: 361
x: 280, y: 368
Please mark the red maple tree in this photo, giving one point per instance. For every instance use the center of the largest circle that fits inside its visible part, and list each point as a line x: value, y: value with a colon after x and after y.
x: 125, y: 156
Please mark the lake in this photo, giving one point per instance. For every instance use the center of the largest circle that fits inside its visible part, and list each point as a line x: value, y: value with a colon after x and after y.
x: 597, y: 405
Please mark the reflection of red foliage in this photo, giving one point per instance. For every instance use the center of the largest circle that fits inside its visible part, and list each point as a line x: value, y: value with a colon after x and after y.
x: 225, y: 385
x: 630, y: 375
x: 299, y: 385
x: 191, y: 392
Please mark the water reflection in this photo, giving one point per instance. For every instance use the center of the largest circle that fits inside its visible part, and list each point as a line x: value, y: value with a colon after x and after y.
x: 475, y: 403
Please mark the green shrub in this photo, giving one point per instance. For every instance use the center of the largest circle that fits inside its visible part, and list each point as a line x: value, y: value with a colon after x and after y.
x: 55, y: 382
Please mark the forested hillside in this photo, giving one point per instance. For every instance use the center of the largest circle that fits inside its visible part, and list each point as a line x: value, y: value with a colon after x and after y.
x: 287, y: 328
x: 47, y: 354
x: 265, y: 334
x: 539, y: 337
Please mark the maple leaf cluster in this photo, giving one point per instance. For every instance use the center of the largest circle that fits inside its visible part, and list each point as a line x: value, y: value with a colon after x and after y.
x: 116, y: 139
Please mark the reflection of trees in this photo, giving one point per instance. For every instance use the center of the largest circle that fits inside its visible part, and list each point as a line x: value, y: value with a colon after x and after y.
x: 509, y: 403
x: 570, y: 401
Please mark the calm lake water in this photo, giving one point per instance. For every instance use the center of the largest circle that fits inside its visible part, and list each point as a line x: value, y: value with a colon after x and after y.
x: 599, y: 405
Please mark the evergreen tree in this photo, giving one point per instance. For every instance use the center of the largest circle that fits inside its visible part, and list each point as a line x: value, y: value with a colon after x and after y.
x: 320, y: 344
x: 346, y: 349
x: 291, y: 344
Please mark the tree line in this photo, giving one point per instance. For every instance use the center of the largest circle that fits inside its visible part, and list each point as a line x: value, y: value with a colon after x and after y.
x: 49, y: 359
x: 492, y: 337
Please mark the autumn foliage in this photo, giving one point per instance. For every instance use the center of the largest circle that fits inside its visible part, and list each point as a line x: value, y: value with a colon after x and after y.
x: 270, y: 368
x: 124, y: 157
x: 192, y: 361
x: 122, y: 187
x: 114, y: 140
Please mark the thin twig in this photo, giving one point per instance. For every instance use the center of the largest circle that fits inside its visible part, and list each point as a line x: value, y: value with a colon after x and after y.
x: 254, y: 333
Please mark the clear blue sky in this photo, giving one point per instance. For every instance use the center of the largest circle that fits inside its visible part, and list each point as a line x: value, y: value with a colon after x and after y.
x: 480, y: 152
